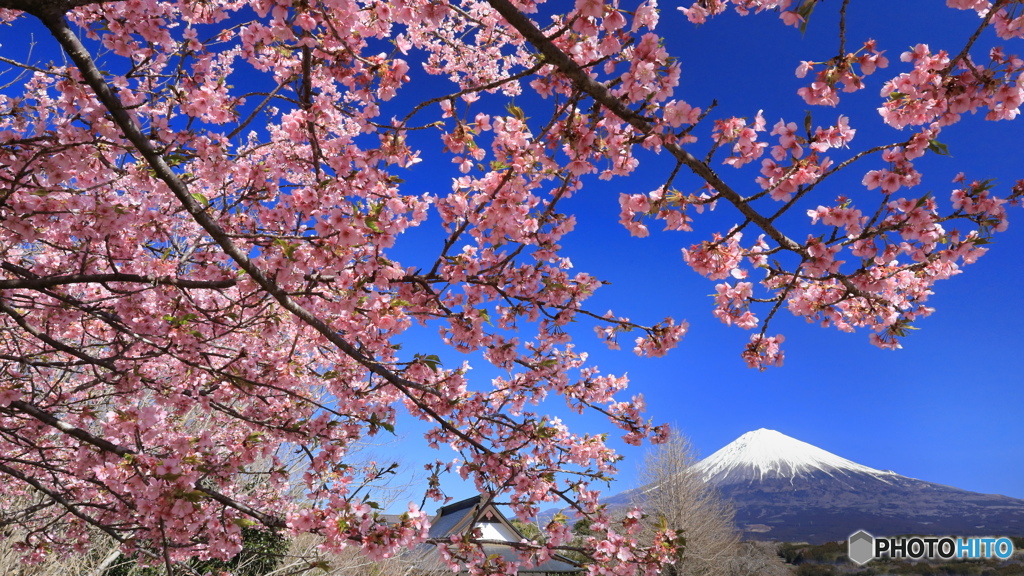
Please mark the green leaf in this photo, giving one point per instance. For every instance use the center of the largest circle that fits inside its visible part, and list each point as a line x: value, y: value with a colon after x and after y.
x: 375, y: 422
x: 193, y: 496
x: 176, y: 159
x: 198, y: 197
x: 178, y: 322
x: 939, y: 148
x: 516, y: 111
x: 287, y: 248
x: 985, y: 185
x: 431, y: 360
x: 805, y: 11
x: 253, y: 438
x: 371, y: 223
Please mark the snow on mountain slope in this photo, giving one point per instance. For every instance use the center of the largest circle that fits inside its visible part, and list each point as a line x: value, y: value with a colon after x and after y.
x: 790, y: 491
x: 767, y: 454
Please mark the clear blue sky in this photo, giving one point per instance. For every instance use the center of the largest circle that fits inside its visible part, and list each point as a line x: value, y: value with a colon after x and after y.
x: 946, y: 408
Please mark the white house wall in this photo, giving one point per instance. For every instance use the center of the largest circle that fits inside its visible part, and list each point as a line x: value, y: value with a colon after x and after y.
x: 496, y: 531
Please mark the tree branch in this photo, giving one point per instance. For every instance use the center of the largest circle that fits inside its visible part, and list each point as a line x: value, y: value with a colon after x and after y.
x: 57, y: 345
x: 107, y: 446
x: 79, y: 54
x: 67, y: 505
x: 40, y: 283
x: 567, y: 66
x: 51, y: 420
x: 35, y: 7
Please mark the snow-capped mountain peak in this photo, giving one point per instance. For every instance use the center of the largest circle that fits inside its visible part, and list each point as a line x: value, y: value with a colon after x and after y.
x: 764, y: 454
x: 787, y: 490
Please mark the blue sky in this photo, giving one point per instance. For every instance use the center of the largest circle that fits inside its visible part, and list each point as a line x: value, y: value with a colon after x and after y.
x: 946, y: 408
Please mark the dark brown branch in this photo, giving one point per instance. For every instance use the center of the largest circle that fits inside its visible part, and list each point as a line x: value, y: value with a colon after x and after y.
x: 79, y: 54
x: 4, y: 469
x: 51, y: 420
x: 49, y: 6
x: 265, y: 519
x: 107, y: 446
x: 51, y: 281
x: 842, y: 29
x: 24, y: 514
x: 57, y: 345
x: 556, y: 57
x: 996, y: 6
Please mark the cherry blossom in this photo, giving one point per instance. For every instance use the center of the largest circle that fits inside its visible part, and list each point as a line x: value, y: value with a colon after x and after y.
x: 208, y: 209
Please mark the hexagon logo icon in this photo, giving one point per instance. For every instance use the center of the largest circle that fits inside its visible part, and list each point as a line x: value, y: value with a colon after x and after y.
x: 860, y: 547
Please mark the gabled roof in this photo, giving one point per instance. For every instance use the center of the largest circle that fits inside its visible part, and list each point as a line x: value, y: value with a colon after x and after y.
x: 460, y: 517
x: 450, y: 518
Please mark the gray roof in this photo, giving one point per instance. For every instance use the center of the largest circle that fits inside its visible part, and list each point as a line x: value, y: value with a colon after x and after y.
x: 457, y: 517
x: 449, y: 517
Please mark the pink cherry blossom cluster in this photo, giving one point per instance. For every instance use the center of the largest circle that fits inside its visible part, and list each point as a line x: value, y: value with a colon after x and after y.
x: 782, y: 181
x: 901, y: 172
x: 764, y: 351
x: 1007, y: 21
x: 699, y: 12
x: 935, y: 93
x: 745, y: 147
x: 840, y: 72
x: 277, y: 318
x: 717, y: 258
x: 939, y: 90
x: 204, y: 288
x: 732, y: 304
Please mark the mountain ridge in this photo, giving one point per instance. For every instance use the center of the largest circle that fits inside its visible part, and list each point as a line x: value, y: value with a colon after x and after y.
x: 788, y: 490
x: 764, y: 453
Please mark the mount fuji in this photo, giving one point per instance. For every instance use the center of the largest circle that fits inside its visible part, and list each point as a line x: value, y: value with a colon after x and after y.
x: 787, y: 490
x: 764, y: 455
